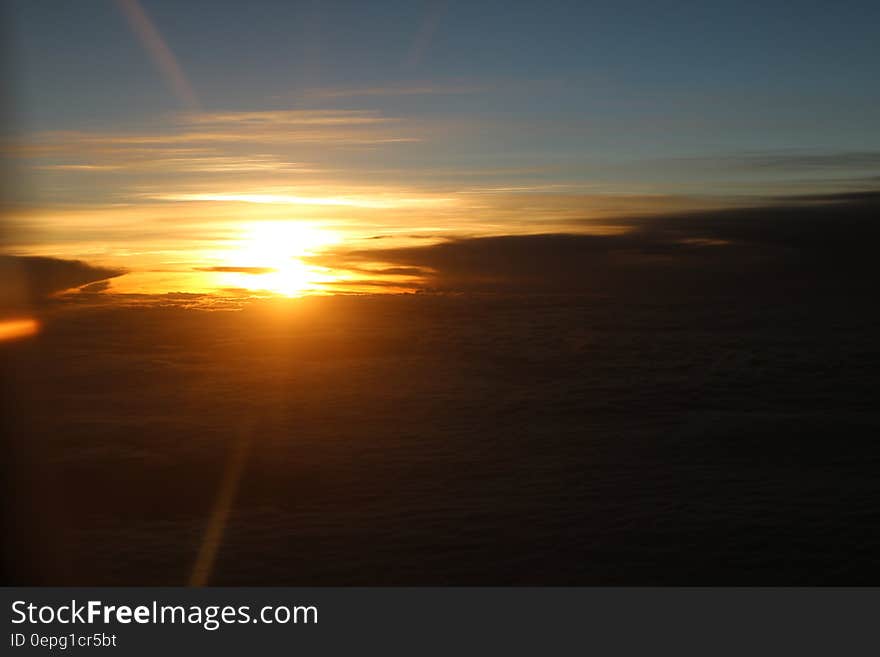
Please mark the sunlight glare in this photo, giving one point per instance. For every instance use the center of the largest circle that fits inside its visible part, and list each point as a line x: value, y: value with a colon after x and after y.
x: 278, y: 247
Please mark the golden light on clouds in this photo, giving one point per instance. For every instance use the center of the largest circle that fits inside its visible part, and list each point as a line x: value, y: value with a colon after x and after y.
x: 377, y: 202
x: 236, y: 203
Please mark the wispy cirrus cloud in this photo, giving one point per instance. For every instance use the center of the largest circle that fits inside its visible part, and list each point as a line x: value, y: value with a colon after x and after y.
x: 199, y: 132
x: 288, y: 118
x: 376, y: 201
x: 204, y: 163
x: 265, y: 143
x: 77, y: 167
x: 49, y: 143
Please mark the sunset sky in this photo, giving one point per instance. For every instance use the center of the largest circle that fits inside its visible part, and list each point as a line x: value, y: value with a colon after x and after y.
x: 408, y: 292
x: 219, y: 147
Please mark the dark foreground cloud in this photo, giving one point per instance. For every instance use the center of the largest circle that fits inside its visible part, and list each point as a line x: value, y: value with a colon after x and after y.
x: 450, y: 440
x: 33, y: 279
x: 834, y: 225
x: 827, y: 236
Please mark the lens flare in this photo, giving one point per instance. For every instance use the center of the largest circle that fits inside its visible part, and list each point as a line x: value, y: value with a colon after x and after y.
x: 14, y: 329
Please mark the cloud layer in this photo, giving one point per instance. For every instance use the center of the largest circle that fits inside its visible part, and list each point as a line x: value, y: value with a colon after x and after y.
x: 828, y: 235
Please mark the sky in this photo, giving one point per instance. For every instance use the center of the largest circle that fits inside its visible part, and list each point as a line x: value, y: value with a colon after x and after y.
x: 235, y: 148
x: 637, y: 241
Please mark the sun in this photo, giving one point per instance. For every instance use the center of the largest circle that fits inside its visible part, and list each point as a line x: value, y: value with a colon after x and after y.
x: 269, y: 257
x: 289, y: 279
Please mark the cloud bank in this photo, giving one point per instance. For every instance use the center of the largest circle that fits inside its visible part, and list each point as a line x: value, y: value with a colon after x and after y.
x: 828, y: 236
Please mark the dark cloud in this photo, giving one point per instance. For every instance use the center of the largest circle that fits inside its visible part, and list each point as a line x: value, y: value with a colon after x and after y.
x: 830, y: 227
x: 806, y: 236
x: 366, y: 283
x: 389, y: 271
x: 33, y: 279
x: 422, y: 236
x: 497, y: 438
x: 869, y: 197
x: 401, y: 271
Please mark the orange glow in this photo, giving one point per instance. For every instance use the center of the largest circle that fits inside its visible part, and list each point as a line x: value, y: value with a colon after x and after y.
x: 14, y: 329
x: 381, y: 202
x: 274, y: 250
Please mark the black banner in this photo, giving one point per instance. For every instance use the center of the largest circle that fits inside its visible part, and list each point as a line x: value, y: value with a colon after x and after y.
x: 407, y: 621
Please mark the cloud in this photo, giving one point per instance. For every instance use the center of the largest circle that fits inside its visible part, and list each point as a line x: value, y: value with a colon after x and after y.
x: 378, y: 201
x: 76, y: 142
x: 77, y: 167
x: 828, y: 237
x: 200, y: 135
x: 546, y: 261
x: 95, y: 288
x: 824, y: 224
x: 33, y: 279
x: 401, y: 271
x: 165, y: 160
x: 288, y: 118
